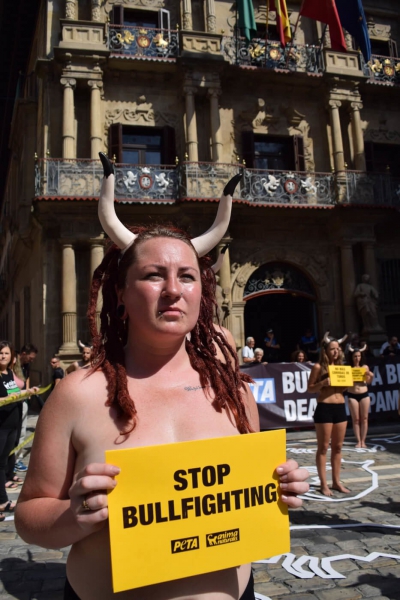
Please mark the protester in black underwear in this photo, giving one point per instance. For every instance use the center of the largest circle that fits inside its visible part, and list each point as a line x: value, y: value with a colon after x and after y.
x: 358, y: 395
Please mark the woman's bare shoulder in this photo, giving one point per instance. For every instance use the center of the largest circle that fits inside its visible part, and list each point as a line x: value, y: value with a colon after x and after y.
x: 78, y: 387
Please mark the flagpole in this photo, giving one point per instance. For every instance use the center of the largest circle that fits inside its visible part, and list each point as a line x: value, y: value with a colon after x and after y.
x: 294, y: 33
x: 321, y: 42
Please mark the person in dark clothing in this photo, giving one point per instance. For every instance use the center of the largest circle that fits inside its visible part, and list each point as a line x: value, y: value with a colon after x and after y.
x: 58, y: 371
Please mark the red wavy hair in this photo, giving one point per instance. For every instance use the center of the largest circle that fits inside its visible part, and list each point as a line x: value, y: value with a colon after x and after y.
x: 223, y: 377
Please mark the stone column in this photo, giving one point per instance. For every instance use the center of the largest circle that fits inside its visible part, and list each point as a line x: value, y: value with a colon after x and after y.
x: 68, y: 299
x: 358, y: 139
x: 191, y: 125
x: 370, y: 263
x: 187, y: 15
x: 68, y: 118
x: 348, y: 287
x: 216, y: 140
x: 337, y: 141
x: 211, y: 19
x: 96, y: 10
x: 70, y: 9
x: 96, y: 256
x: 96, y: 142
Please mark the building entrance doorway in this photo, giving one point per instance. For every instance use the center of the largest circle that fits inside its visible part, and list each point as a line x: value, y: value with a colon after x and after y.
x: 280, y: 297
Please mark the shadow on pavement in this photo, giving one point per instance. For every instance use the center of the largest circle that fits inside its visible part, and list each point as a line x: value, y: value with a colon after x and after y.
x: 391, y: 506
x: 387, y: 584
x: 29, y: 579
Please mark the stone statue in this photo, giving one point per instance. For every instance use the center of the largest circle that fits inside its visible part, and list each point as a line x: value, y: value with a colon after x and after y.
x: 367, y: 304
x: 222, y: 302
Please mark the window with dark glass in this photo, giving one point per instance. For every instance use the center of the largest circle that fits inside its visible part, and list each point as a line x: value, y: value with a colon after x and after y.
x: 147, y: 19
x: 271, y: 35
x: 273, y: 153
x: 382, y: 158
x: 142, y: 145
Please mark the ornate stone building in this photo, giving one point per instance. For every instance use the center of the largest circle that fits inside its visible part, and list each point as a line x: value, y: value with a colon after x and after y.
x: 181, y: 103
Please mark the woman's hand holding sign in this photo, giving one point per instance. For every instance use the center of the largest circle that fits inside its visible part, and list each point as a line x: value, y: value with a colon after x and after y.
x: 88, y: 495
x: 292, y: 481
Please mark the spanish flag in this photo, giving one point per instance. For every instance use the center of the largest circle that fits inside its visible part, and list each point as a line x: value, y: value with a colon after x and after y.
x: 282, y: 20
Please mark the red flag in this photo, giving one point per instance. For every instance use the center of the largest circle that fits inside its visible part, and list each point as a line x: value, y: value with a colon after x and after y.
x: 326, y: 12
x: 282, y: 20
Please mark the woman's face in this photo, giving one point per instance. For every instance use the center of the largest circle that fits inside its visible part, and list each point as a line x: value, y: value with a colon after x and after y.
x: 356, y: 358
x: 5, y: 358
x: 162, y: 291
x: 258, y: 356
x: 300, y: 357
x: 333, y: 351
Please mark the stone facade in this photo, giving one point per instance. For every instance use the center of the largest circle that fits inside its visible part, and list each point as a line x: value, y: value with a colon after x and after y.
x: 328, y: 216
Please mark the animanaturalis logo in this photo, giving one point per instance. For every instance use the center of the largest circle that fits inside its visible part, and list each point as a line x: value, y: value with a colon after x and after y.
x: 222, y: 537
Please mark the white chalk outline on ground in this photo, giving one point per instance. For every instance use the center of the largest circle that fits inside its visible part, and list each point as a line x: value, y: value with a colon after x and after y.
x: 321, y: 498
x: 294, y: 565
x: 372, y: 449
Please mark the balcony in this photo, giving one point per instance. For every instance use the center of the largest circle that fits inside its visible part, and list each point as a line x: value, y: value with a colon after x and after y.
x: 383, y: 70
x: 272, y: 55
x: 79, y: 178
x: 140, y: 43
x: 376, y: 189
x: 207, y: 180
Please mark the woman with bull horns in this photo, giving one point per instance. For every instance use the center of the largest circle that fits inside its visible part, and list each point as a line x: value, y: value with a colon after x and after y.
x: 157, y: 378
x: 84, y: 363
x: 358, y: 395
x: 330, y: 415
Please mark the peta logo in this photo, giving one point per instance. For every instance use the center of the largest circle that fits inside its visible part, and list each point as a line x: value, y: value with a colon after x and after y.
x: 222, y: 537
x: 264, y: 391
x: 185, y: 544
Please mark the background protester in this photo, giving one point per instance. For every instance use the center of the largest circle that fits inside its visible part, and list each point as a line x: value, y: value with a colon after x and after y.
x: 272, y: 353
x: 84, y: 363
x: 330, y: 415
x: 358, y: 396
x: 248, y: 350
x: 10, y: 418
x: 309, y: 344
x: 391, y: 341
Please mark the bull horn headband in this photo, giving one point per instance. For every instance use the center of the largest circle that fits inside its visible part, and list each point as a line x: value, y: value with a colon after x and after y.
x: 123, y: 238
x: 328, y: 339
x: 218, y: 264
x: 363, y: 349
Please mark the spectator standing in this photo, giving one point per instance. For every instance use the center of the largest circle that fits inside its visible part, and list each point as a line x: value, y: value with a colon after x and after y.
x: 58, y: 371
x: 309, y: 344
x: 299, y: 356
x: 258, y: 356
x: 26, y: 357
x: 248, y: 350
x: 392, y: 349
x: 272, y: 353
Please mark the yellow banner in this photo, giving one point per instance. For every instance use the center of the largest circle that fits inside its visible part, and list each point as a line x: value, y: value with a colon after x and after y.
x: 359, y: 373
x: 340, y: 375
x: 195, y: 507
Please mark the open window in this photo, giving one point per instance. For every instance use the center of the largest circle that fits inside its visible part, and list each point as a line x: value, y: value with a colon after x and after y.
x: 148, y: 19
x: 141, y: 145
x: 384, y: 48
x: 272, y: 152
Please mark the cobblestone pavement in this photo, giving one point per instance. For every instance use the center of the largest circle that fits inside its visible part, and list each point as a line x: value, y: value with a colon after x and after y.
x: 345, y: 549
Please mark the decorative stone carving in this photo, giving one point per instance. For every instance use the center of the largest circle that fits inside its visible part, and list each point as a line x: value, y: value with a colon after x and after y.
x: 95, y: 10
x: 211, y: 23
x: 378, y: 30
x: 70, y: 9
x: 141, y: 113
x: 187, y: 21
x: 382, y: 135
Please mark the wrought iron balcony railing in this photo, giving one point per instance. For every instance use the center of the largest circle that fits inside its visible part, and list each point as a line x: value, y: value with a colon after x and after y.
x: 207, y: 180
x: 378, y: 189
x: 383, y: 69
x: 141, y: 42
x: 82, y: 178
x: 272, y: 55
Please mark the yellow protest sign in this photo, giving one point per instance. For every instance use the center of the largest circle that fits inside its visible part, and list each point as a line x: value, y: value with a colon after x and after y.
x: 358, y: 373
x: 340, y: 375
x: 194, y: 507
